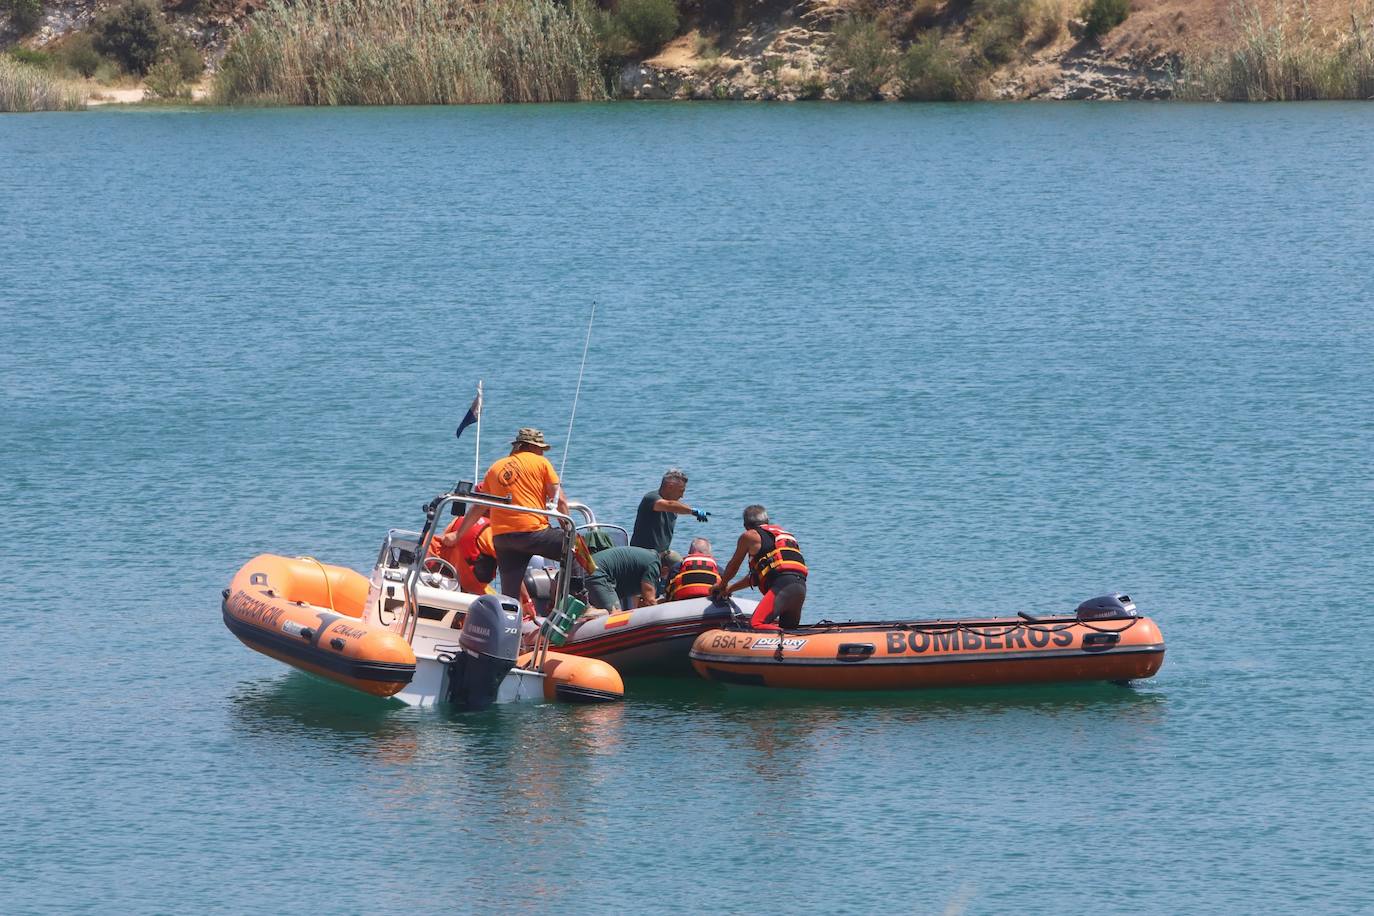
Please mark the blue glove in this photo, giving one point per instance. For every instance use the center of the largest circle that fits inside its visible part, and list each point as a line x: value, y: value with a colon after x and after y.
x: 701, y: 516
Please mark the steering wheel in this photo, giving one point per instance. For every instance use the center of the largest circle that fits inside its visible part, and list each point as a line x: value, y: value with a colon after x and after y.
x: 436, y: 572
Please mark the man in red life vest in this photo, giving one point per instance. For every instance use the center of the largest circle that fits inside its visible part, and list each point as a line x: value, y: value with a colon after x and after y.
x: 775, y: 566
x: 695, y: 576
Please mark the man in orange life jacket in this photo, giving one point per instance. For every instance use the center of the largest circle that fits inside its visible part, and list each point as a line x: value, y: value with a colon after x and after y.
x: 696, y: 575
x: 775, y: 566
x: 474, y: 558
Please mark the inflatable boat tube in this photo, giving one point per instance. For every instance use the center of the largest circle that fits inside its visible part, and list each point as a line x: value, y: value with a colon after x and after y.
x: 653, y: 639
x: 933, y: 653
x: 572, y: 679
x: 309, y: 615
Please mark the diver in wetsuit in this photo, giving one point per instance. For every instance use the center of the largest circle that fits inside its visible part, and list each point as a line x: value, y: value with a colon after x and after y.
x: 775, y: 566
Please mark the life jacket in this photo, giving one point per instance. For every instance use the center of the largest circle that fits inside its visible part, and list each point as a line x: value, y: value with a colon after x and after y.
x: 454, y: 554
x: 468, y: 548
x: 695, y: 578
x: 465, y: 553
x: 474, y: 542
x: 778, y: 553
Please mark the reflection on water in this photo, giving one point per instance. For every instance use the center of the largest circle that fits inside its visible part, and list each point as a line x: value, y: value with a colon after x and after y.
x: 545, y: 765
x: 294, y: 703
x: 298, y: 702
x: 694, y: 693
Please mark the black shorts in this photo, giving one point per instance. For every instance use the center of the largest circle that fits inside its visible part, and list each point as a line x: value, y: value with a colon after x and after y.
x: 789, y: 594
x: 513, y: 552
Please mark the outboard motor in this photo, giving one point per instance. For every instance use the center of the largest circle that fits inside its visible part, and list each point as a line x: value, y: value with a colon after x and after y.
x: 1114, y: 605
x: 489, y: 644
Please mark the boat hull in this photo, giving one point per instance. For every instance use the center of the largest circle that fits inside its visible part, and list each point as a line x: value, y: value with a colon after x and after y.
x: 565, y: 679
x: 650, y: 640
x: 927, y: 654
x: 310, y: 616
x: 314, y: 617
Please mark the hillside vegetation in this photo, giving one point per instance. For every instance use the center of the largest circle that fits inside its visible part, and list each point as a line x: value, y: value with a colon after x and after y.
x: 24, y: 87
x: 343, y: 52
x: 411, y: 52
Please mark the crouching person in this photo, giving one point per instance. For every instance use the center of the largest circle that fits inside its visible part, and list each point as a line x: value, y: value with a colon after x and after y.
x: 626, y: 577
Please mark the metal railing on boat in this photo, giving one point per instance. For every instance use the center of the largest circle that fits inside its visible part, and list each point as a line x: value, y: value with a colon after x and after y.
x: 464, y: 494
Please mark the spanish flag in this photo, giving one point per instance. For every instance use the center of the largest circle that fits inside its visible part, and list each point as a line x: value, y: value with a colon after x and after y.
x: 584, y: 555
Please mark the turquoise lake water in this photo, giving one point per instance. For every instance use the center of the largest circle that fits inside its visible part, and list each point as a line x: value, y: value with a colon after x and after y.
x: 978, y: 358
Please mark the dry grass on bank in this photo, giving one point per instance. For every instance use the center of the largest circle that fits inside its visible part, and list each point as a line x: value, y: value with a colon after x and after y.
x: 27, y: 88
x: 411, y: 52
x: 1281, y: 55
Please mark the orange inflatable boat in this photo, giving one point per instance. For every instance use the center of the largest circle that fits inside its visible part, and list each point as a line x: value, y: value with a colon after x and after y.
x: 1103, y: 641
x: 310, y: 615
x: 339, y: 624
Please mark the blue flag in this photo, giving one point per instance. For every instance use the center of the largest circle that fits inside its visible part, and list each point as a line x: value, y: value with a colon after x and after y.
x: 473, y: 413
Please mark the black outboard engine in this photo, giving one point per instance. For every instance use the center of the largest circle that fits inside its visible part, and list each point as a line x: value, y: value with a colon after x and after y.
x: 1114, y: 605
x: 490, y: 643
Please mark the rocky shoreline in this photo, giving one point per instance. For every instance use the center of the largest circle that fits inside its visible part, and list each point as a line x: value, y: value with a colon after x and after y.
x: 1087, y: 77
x: 788, y: 59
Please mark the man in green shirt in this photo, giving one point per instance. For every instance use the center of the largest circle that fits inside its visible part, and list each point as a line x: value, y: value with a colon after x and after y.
x: 627, y: 577
x: 658, y: 511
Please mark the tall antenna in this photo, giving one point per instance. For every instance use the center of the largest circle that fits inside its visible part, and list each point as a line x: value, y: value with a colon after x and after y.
x: 567, y: 443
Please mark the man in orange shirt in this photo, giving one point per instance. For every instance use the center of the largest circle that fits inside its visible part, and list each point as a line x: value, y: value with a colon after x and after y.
x: 528, y: 478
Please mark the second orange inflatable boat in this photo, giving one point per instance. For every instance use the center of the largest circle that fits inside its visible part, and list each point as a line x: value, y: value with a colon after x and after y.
x: 1103, y: 641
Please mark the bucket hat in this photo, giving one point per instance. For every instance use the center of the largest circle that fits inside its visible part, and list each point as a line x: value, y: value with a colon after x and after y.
x: 528, y: 435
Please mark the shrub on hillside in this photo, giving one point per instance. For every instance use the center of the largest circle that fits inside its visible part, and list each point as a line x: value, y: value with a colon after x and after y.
x: 996, y: 40
x: 79, y: 53
x: 1101, y: 16
x: 1017, y: 16
x: 931, y: 71
x: 863, y: 50
x: 133, y: 34
x: 25, y: 14
x: 187, y: 57
x: 165, y: 81
x: 649, y: 23
x: 613, y: 42
x: 1048, y: 23
x: 41, y: 60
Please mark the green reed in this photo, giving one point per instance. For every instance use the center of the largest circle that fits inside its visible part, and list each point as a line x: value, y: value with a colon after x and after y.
x: 1282, y: 56
x: 27, y: 88
x: 411, y: 52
